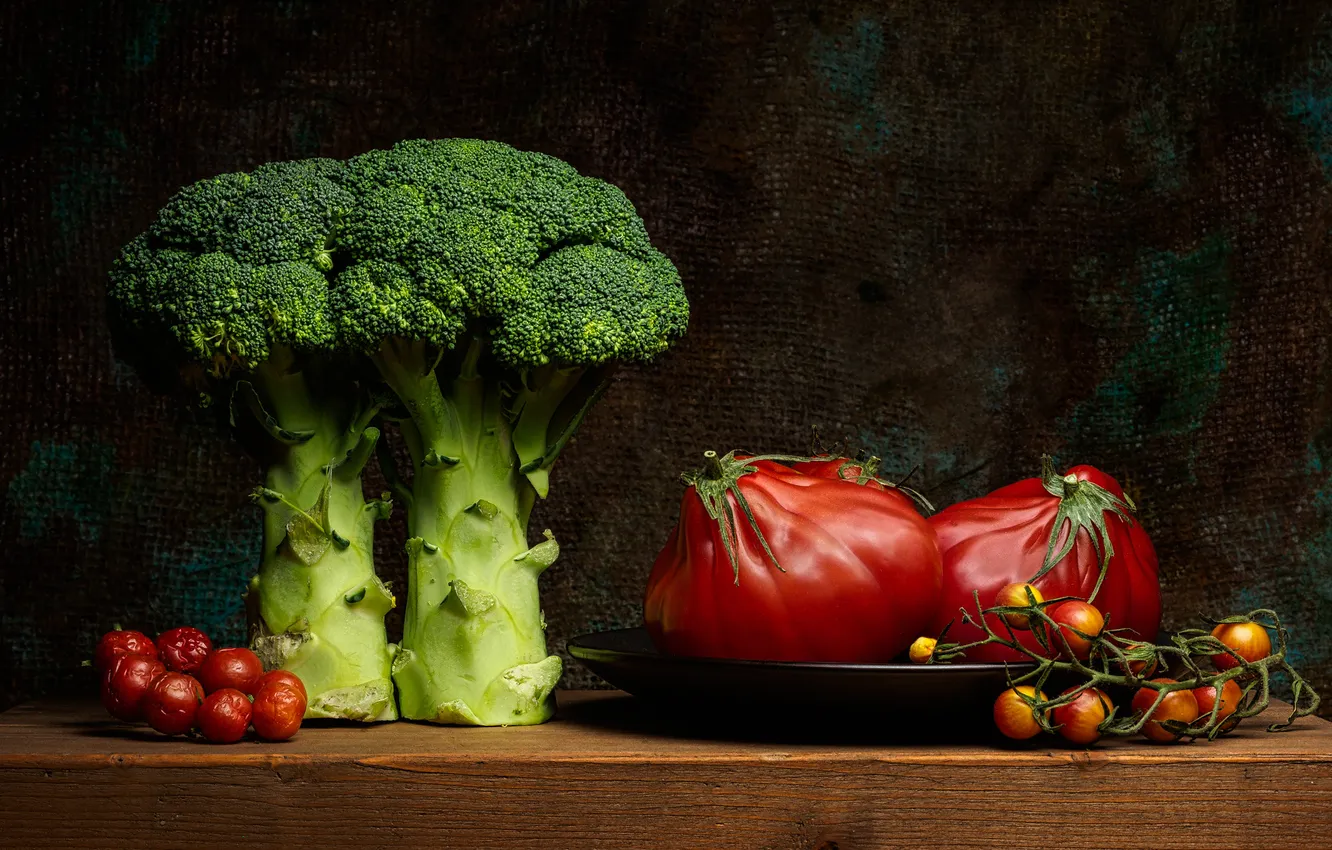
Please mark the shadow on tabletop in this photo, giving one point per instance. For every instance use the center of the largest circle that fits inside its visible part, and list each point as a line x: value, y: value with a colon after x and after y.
x: 757, y: 724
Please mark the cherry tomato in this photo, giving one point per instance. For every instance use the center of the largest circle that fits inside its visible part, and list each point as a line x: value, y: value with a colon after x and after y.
x: 1230, y: 699
x: 224, y: 715
x: 922, y: 650
x: 184, y: 648
x: 1177, y: 705
x: 126, y: 682
x: 285, y: 677
x: 1015, y: 595
x: 1250, y: 640
x: 1071, y: 615
x: 1141, y: 659
x: 121, y: 642
x: 172, y: 703
x: 278, y: 710
x: 1013, y: 716
x: 1079, y: 721
x: 235, y: 667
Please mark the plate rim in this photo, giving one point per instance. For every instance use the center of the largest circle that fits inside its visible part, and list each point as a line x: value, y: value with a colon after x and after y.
x: 583, y: 653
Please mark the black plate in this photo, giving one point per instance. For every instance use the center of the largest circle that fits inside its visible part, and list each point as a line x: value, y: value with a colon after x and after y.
x: 626, y: 659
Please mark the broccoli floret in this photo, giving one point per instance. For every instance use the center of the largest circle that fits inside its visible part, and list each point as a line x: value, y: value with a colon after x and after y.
x: 228, y: 286
x: 493, y: 291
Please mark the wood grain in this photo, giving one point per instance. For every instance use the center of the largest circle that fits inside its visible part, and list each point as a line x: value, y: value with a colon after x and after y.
x: 609, y: 774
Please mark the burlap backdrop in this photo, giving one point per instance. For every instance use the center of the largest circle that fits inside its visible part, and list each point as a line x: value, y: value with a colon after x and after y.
x: 960, y: 233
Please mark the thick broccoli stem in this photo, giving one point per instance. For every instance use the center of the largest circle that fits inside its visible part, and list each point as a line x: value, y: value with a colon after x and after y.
x: 316, y: 606
x: 474, y: 642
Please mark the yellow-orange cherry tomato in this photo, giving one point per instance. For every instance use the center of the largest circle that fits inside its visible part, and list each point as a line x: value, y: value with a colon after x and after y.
x: 1249, y: 640
x: 1013, y: 716
x: 1079, y: 615
x: 1176, y: 705
x: 922, y: 650
x: 1079, y: 721
x: 1015, y: 596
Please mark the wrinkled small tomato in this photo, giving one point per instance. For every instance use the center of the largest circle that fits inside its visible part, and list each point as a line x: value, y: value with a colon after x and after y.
x: 1073, y: 617
x: 121, y: 642
x: 922, y: 650
x: 278, y: 710
x: 172, y: 703
x: 1015, y: 596
x: 126, y: 682
x: 235, y: 667
x: 286, y: 677
x: 1230, y: 699
x: 184, y: 648
x: 1013, y: 716
x: 1249, y: 640
x: 1079, y: 721
x: 1176, y: 705
x: 224, y: 715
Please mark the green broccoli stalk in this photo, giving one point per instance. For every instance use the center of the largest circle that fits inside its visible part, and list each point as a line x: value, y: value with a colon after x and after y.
x: 494, y: 290
x: 228, y: 289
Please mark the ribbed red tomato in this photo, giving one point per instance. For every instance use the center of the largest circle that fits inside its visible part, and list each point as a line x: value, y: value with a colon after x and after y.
x: 849, y: 573
x: 1001, y: 538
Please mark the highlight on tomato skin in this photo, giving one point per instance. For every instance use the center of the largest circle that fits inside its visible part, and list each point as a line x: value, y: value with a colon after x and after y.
x: 1249, y: 640
x: 1079, y: 721
x: 1176, y: 705
x: 1072, y: 617
x: 1013, y: 716
x: 1015, y: 595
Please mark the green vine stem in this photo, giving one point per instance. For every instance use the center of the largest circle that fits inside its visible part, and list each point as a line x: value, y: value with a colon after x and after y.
x: 1109, y: 664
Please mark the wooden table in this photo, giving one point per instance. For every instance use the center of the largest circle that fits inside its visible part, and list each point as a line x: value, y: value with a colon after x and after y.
x: 609, y: 773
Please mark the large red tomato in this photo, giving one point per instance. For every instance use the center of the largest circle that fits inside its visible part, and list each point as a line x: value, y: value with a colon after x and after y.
x: 849, y: 573
x: 1002, y: 538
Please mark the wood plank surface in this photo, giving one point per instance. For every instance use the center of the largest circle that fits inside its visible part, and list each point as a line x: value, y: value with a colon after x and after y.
x: 609, y: 773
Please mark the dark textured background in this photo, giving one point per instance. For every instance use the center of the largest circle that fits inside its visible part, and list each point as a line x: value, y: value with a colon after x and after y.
x: 960, y: 233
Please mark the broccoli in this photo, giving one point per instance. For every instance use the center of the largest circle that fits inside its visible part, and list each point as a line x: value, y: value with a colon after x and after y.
x: 492, y: 291
x: 228, y: 289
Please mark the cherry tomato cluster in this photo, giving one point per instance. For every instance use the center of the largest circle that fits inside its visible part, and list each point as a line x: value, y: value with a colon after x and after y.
x: 180, y: 683
x: 1078, y: 624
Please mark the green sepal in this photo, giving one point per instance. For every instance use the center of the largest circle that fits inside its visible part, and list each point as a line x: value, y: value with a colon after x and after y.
x: 1083, y: 506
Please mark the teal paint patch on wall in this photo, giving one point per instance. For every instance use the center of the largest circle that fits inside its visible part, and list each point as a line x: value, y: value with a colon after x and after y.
x: 70, y: 481
x: 85, y: 184
x: 848, y: 64
x: 1169, y: 378
x: 201, y: 581
x: 141, y: 51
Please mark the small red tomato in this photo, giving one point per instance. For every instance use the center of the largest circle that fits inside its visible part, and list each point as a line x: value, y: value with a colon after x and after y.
x: 236, y: 667
x: 278, y: 710
x: 1141, y: 659
x: 124, y: 685
x: 1013, y: 716
x: 1015, y: 596
x: 184, y: 648
x: 284, y: 677
x: 1177, y: 705
x: 224, y: 716
x: 1072, y: 617
x: 1230, y: 699
x: 1250, y: 640
x: 1079, y: 721
x: 121, y: 642
x: 172, y: 703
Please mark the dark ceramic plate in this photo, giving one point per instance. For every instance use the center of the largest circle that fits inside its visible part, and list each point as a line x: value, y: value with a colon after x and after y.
x: 626, y: 659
